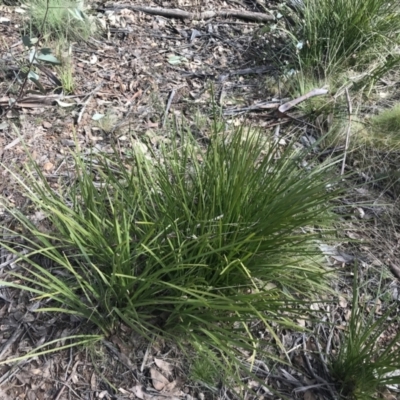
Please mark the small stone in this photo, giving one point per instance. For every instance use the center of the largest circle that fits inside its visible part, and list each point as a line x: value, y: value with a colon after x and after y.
x: 47, y: 125
x: 5, y: 21
x: 48, y: 166
x: 360, y: 213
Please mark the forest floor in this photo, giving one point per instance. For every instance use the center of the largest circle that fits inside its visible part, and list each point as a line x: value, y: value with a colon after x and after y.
x: 144, y: 73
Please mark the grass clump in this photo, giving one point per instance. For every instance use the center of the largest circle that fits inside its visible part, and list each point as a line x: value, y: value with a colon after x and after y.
x: 364, y: 365
x: 376, y: 148
x: 191, y: 243
x: 334, y: 36
x: 386, y: 126
x: 66, y: 76
x: 60, y: 20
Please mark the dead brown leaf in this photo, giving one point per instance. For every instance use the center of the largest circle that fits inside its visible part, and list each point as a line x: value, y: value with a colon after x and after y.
x: 138, y: 392
x: 93, y: 381
x: 159, y: 380
x: 342, y: 302
x: 164, y: 366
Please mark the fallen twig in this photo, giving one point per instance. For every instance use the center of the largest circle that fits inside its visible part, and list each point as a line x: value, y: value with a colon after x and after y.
x: 257, y: 70
x: 71, y: 375
x: 34, y: 101
x: 348, y: 131
x: 395, y: 269
x: 177, y: 13
x: 325, y: 384
x: 171, y: 96
x: 122, y: 358
x: 255, y: 107
x: 11, y: 258
x: 292, y: 103
x: 12, y: 371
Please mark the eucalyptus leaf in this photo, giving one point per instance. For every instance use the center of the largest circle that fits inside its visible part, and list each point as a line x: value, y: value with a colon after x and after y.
x: 3, y: 125
x: 27, y: 41
x: 47, y: 56
x: 64, y: 104
x: 32, y: 55
x: 33, y: 75
x: 176, y: 60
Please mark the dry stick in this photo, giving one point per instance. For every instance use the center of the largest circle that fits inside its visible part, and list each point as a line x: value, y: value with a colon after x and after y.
x: 290, y: 104
x: 37, y: 101
x: 12, y: 371
x: 122, y: 358
x: 71, y: 375
x: 254, y: 107
x: 257, y: 70
x: 329, y: 342
x: 177, y: 13
x: 71, y: 391
x: 171, y: 96
x: 12, y: 258
x: 311, y: 370
x: 348, y: 131
x: 146, y: 356
x: 395, y: 269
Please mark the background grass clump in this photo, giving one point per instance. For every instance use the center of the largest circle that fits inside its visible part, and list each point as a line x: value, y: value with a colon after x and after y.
x: 335, y: 36
x: 375, y: 149
x: 60, y: 20
x: 386, y: 127
x: 368, y: 358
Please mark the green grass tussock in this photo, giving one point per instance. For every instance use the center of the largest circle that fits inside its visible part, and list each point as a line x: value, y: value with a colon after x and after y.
x: 386, y: 125
x: 334, y: 36
x: 363, y: 366
x: 60, y: 20
x: 188, y: 243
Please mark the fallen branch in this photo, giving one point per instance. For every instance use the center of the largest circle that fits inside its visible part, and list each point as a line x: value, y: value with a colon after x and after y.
x: 171, y: 96
x: 395, y: 269
x: 255, y: 107
x: 34, y: 101
x: 292, y: 103
x: 177, y: 13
